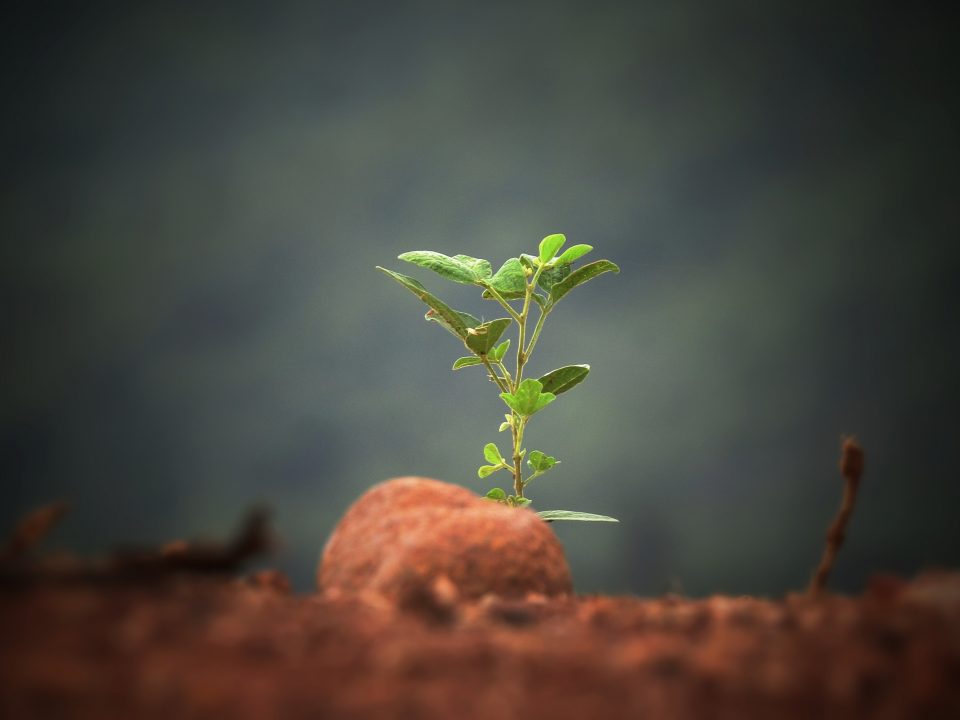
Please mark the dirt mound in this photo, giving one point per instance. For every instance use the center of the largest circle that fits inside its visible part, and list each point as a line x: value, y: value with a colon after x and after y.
x: 412, y: 537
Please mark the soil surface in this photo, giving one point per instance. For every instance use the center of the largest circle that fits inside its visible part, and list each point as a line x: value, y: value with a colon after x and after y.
x: 195, y: 647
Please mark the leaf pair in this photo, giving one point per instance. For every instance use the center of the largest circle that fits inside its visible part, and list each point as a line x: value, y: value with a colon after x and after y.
x: 491, y: 454
x: 541, y: 462
x: 557, y: 278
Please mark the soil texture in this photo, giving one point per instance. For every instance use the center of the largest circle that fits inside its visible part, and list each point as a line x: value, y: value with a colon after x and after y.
x: 189, y: 646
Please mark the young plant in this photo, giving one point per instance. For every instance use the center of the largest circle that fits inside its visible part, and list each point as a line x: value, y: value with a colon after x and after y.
x: 540, y: 280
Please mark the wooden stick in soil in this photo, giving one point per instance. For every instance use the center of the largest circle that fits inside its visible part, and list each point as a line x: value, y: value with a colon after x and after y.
x: 851, y: 467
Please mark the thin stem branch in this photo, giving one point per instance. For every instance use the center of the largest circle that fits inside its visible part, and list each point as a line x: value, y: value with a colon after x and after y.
x: 506, y: 373
x: 518, y: 427
x: 536, y: 332
x: 500, y: 299
x: 851, y: 467
x: 522, y: 355
x: 493, y: 375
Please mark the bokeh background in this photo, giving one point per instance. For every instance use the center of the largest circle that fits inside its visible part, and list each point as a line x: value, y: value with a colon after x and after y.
x: 194, y: 198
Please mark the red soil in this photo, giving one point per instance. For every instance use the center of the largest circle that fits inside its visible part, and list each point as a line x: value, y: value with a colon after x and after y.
x: 200, y: 648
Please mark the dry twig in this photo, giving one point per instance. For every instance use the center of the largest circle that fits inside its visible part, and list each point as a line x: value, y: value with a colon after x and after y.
x: 851, y: 467
x: 253, y: 538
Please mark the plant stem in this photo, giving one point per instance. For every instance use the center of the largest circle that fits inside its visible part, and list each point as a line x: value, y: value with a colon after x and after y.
x: 518, y: 426
x: 493, y: 375
x: 506, y: 373
x: 522, y: 355
x: 506, y: 306
x: 519, y: 423
x: 536, y: 331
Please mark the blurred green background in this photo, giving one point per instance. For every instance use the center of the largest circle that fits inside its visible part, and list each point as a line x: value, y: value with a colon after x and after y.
x: 194, y: 198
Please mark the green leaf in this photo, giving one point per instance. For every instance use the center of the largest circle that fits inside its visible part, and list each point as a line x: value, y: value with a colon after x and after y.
x: 491, y: 453
x: 528, y: 398
x: 537, y: 298
x: 551, y: 515
x: 460, y: 268
x: 500, y: 350
x: 562, y: 379
x: 542, y: 401
x: 485, y: 470
x: 520, y: 501
x: 574, y: 252
x: 549, y: 246
x: 481, y: 268
x: 551, y: 276
x: 580, y: 276
x: 482, y: 338
x: 529, y: 261
x: 467, y: 362
x: 504, y: 426
x: 541, y: 462
x: 467, y: 319
x: 511, y: 400
x: 442, y: 313
x: 510, y: 280
x: 497, y: 494
x: 527, y: 395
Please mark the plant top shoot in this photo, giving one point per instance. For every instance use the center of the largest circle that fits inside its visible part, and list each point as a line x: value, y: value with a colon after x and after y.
x: 542, y: 280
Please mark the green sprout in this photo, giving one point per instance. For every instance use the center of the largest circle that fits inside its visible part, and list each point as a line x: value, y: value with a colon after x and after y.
x: 543, y: 280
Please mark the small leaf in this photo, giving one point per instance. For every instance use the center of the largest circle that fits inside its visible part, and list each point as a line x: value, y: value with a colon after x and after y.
x: 500, y: 350
x: 562, y: 379
x: 551, y: 515
x: 511, y: 400
x: 491, y: 453
x: 521, y: 501
x: 440, y: 311
x: 467, y: 362
x: 542, y: 401
x: 580, y: 276
x: 549, y: 246
x: 510, y: 280
x: 484, y: 336
x: 504, y: 426
x: 551, y: 276
x: 528, y: 399
x: 452, y: 268
x: 574, y: 252
x: 497, y: 494
x: 541, y: 462
x: 485, y: 470
x: 527, y: 395
x: 529, y: 261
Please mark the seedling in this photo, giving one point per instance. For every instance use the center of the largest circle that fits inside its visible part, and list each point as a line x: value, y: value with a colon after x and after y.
x: 543, y: 280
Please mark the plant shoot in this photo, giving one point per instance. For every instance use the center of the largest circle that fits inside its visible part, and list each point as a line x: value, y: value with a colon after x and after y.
x: 521, y: 286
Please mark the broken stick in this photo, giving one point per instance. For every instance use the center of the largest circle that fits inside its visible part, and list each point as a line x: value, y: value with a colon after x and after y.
x: 851, y: 467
